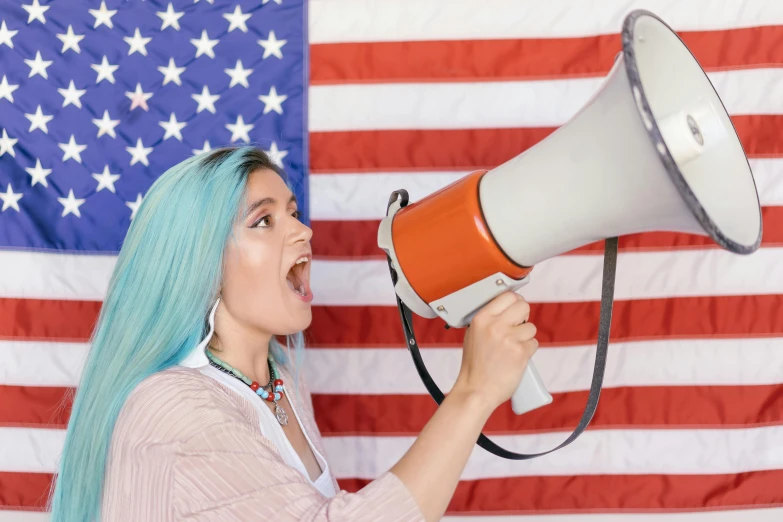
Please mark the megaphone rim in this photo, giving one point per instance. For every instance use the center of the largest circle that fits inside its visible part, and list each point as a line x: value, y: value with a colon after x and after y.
x: 676, y: 175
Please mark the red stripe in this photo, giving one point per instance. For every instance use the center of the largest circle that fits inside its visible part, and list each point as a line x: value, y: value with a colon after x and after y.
x: 51, y: 320
x: 633, y: 320
x: 24, y: 491
x: 329, y: 239
x: 606, y: 493
x: 35, y: 406
x: 482, y: 60
x: 461, y: 149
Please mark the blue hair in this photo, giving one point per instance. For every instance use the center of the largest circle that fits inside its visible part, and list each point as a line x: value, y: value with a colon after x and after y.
x: 165, y: 281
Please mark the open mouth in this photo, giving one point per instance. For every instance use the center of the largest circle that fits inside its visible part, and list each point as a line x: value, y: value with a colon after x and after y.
x: 298, y: 277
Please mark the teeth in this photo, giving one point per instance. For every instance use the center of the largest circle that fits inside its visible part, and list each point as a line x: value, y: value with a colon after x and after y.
x: 301, y: 260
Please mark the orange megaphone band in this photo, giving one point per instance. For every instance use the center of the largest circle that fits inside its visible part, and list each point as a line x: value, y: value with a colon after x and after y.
x: 446, y: 231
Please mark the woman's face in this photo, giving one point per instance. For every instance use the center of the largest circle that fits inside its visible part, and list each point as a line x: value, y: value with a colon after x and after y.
x: 259, y: 287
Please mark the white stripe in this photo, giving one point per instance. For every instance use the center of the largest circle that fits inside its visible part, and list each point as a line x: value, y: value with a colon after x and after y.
x: 506, y: 104
x: 358, y: 196
x: 367, y: 20
x: 640, y: 275
x: 739, y: 515
x: 610, y: 452
x: 709, y: 451
x: 675, y: 362
x: 689, y: 362
x: 570, y: 278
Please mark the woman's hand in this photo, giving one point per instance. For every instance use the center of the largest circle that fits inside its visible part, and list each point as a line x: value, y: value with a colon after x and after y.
x: 496, y: 348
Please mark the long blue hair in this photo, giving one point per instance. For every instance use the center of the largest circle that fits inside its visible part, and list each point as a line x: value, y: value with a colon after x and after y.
x: 166, y: 279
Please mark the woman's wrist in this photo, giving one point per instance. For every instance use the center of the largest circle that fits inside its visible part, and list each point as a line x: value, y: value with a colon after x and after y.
x: 472, y: 401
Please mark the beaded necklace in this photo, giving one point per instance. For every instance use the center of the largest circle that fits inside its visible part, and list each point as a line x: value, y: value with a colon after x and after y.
x: 274, y: 394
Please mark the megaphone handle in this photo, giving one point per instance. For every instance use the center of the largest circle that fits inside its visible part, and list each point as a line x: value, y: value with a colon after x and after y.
x: 531, y: 393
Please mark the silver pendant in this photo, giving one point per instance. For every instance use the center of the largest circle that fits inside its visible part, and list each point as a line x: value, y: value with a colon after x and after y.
x: 281, y: 415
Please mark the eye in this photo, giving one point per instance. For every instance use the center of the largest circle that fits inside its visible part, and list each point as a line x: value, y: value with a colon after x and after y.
x: 296, y: 214
x: 267, y: 219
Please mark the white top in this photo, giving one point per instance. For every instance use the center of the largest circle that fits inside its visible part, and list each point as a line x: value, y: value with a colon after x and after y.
x: 270, y: 427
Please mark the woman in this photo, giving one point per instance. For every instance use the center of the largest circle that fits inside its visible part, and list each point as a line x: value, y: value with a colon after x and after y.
x: 172, y: 423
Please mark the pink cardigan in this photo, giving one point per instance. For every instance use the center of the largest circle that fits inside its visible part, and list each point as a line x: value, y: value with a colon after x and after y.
x: 187, y: 448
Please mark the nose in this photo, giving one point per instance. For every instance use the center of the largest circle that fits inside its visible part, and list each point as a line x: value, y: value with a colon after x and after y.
x: 300, y: 232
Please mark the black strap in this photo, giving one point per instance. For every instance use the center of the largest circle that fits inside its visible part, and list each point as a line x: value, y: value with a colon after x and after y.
x: 605, y: 321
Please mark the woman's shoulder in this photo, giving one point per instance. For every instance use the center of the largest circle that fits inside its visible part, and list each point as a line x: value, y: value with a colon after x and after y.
x: 176, y: 403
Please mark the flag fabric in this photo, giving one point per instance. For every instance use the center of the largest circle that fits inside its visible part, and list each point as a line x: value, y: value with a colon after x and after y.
x: 356, y: 98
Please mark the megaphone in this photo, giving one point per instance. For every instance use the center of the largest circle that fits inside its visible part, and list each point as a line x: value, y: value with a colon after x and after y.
x: 653, y: 150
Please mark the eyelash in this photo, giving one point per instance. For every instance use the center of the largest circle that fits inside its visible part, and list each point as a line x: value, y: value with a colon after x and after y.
x: 296, y: 214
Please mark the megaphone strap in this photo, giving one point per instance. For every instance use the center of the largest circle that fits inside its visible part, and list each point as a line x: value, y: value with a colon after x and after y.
x: 604, y: 324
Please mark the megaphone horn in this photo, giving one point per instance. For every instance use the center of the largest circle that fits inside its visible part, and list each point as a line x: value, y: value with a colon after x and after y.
x: 653, y: 150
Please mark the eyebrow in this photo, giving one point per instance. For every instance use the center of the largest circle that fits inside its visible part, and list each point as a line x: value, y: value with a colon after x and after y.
x: 266, y: 201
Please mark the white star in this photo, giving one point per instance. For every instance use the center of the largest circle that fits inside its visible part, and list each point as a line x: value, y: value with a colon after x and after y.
x: 238, y: 75
x: 36, y: 12
x: 106, y: 179
x: 276, y: 155
x: 70, y: 40
x: 6, y: 35
x: 139, y: 153
x: 38, y: 173
x: 38, y: 120
x: 237, y: 19
x: 10, y: 199
x: 171, y: 72
x: 170, y: 17
x: 134, y: 205
x: 105, y: 70
x: 7, y: 144
x: 139, y: 98
x: 6, y: 90
x: 103, y: 16
x: 205, y: 100
x: 272, y: 46
x: 207, y: 148
x: 38, y: 66
x: 72, y: 95
x: 273, y: 101
x: 106, y: 125
x: 137, y: 43
x: 210, y: 1
x: 239, y: 130
x: 71, y: 205
x: 204, y: 45
x: 173, y: 127
x: 72, y: 150
x: 278, y: 2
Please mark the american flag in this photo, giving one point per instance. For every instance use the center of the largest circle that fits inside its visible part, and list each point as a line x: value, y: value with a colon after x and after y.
x: 356, y: 98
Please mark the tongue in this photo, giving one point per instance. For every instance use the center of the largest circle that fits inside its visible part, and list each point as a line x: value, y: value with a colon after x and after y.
x: 299, y: 290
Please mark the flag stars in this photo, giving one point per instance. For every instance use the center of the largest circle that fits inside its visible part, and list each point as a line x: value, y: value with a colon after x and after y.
x: 205, y: 100
x: 38, y: 65
x: 38, y: 173
x: 72, y: 150
x: 6, y: 35
x: 106, y: 125
x: 273, y: 101
x: 71, y: 205
x: 170, y: 17
x: 137, y: 43
x: 10, y: 199
x: 207, y: 148
x: 272, y: 46
x: 70, y: 40
x: 105, y: 70
x: 7, y: 144
x: 106, y: 180
x: 35, y: 11
x: 171, y: 72
x: 134, y: 205
x: 276, y: 155
x: 72, y: 95
x: 239, y: 130
x: 239, y: 75
x: 139, y: 153
x: 7, y: 90
x: 139, y: 98
x: 172, y: 127
x: 237, y: 19
x: 204, y: 45
x: 38, y: 120
x: 103, y: 16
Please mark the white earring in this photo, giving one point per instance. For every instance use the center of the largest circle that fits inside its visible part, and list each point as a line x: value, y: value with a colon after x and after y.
x: 197, y: 358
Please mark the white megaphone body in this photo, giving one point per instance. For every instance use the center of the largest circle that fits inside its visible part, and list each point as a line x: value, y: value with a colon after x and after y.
x: 653, y: 150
